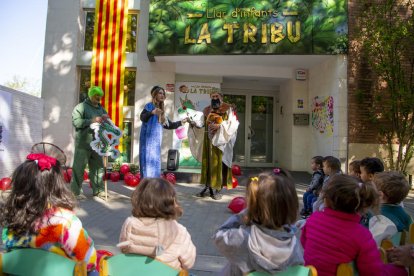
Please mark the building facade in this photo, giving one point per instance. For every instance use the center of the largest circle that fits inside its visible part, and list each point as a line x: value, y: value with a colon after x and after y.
x: 292, y: 104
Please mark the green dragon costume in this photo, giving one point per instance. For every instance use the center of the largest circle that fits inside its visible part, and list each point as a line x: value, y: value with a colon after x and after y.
x: 82, y: 117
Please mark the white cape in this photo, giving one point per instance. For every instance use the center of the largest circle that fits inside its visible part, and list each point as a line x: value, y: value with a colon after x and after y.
x: 224, y: 139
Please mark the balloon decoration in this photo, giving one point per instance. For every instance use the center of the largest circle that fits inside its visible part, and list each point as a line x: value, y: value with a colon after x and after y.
x: 85, y: 175
x: 5, y: 183
x: 170, y: 177
x: 107, y: 175
x: 127, y: 178
x: 237, y: 204
x: 236, y: 170
x: 115, y: 176
x: 235, y: 182
x: 124, y: 169
x: 133, y: 181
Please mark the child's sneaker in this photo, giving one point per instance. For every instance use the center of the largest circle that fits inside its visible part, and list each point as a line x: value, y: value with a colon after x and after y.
x: 305, y: 215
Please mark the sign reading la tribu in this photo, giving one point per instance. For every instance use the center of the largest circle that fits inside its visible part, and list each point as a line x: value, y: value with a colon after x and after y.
x: 219, y: 27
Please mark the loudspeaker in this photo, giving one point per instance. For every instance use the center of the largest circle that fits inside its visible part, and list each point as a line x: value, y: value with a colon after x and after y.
x: 173, y: 159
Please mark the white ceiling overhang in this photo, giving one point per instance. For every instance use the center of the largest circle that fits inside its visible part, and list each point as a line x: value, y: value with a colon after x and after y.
x: 273, y: 67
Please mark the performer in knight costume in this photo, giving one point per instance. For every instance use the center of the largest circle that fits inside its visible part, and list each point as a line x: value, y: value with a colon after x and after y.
x: 213, y: 145
x: 83, y: 115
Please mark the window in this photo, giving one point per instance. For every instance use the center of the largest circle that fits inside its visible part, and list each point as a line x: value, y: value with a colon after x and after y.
x: 126, y: 141
x: 131, y: 37
x: 89, y: 29
x: 84, y: 83
x: 129, y: 87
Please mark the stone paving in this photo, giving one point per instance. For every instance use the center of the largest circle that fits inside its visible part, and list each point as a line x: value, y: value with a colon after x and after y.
x: 202, y: 216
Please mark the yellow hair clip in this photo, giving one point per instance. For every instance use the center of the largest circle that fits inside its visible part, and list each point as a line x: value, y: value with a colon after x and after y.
x: 254, y: 179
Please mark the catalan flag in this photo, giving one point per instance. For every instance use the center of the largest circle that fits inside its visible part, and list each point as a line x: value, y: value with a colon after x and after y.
x: 108, y: 59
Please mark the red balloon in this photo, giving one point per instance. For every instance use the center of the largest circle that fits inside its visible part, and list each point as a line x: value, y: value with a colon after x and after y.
x: 128, y: 173
x: 235, y: 182
x: 85, y: 175
x: 133, y: 182
x: 5, y: 183
x: 236, y: 170
x: 107, y: 176
x: 127, y: 178
x: 115, y: 176
x: 124, y: 169
x: 237, y: 204
x: 170, y: 177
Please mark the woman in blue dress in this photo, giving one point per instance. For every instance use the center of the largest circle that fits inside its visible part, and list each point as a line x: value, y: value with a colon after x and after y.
x: 153, y: 121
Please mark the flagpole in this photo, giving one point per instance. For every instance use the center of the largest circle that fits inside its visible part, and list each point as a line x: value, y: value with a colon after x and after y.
x: 105, y: 163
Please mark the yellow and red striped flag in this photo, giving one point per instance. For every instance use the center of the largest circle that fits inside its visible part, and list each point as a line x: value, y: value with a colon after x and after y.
x: 108, y: 59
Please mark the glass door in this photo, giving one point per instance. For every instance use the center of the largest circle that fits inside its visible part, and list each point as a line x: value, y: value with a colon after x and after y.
x: 255, y: 138
x: 260, y: 131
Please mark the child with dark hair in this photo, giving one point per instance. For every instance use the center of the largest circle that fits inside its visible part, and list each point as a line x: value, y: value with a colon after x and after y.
x: 261, y: 237
x: 314, y: 186
x: 370, y: 166
x: 335, y: 235
x: 38, y: 213
x: 331, y: 167
x: 153, y: 230
x: 354, y: 168
x: 393, y: 189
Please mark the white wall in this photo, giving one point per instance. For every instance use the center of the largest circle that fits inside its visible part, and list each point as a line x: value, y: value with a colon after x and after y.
x: 60, y: 85
x: 285, y: 123
x: 21, y: 119
x: 330, y: 79
x: 294, y: 139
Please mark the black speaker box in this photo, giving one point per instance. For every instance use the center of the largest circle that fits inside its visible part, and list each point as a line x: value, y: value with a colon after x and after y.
x: 173, y: 160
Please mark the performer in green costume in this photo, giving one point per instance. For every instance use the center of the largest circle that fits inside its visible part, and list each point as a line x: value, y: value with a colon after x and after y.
x: 83, y: 115
x: 220, y: 132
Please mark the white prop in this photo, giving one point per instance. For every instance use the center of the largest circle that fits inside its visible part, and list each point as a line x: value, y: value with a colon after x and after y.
x: 107, y: 136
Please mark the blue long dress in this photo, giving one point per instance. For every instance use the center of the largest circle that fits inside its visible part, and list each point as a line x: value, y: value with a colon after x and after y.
x: 150, y: 142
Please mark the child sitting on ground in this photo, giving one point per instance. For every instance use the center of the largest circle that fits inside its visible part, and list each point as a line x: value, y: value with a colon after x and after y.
x: 331, y: 167
x: 153, y: 230
x: 314, y: 186
x: 261, y: 238
x: 393, y: 189
x: 370, y: 166
x: 38, y: 213
x: 354, y: 169
x: 335, y: 236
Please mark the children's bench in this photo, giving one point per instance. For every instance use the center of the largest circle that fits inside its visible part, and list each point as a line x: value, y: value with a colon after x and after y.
x: 298, y: 270
x: 30, y: 261
x: 134, y: 264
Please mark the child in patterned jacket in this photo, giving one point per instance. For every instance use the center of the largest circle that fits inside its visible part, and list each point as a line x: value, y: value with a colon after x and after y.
x: 38, y: 213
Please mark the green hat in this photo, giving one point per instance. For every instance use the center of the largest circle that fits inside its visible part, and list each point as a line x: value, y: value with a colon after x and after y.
x: 95, y: 90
